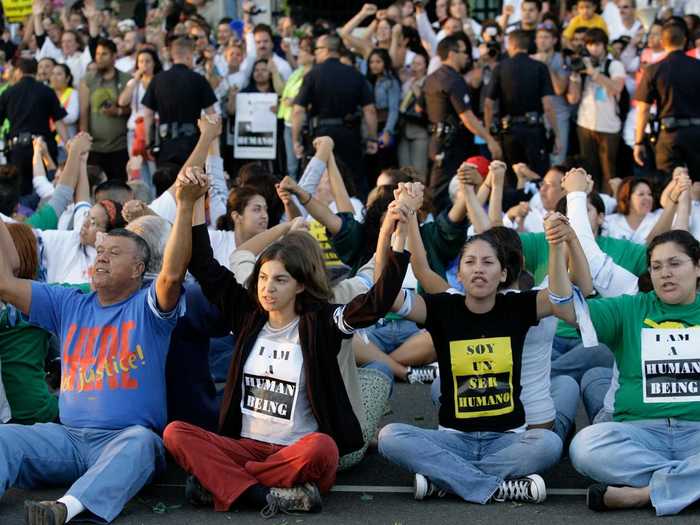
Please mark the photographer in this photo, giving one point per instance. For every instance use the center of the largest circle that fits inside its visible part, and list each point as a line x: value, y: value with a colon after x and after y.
x: 546, y: 40
x: 598, y: 89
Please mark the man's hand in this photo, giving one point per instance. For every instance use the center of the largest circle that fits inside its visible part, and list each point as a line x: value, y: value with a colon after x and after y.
x: 284, y: 194
x: 680, y: 183
x: 288, y: 185
x: 191, y: 184
x: 134, y: 209
x: 209, y: 126
x: 468, y: 175
x: 518, y: 212
x: 639, y: 153
x: 497, y: 170
x: 81, y: 143
x: 323, y: 142
x: 576, y: 180
x: 410, y: 194
x: 556, y: 228
x: 524, y: 173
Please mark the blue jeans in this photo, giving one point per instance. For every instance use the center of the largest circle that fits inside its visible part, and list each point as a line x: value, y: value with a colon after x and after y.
x: 663, y: 454
x: 292, y: 160
x: 104, y: 468
x: 594, y: 385
x: 220, y: 354
x: 569, y: 357
x: 565, y: 393
x: 389, y: 334
x: 471, y: 465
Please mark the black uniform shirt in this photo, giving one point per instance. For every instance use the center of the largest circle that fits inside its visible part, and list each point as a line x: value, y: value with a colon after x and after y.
x: 519, y: 83
x: 29, y: 105
x: 531, y: 33
x: 673, y: 84
x: 179, y: 95
x: 333, y: 90
x: 446, y: 94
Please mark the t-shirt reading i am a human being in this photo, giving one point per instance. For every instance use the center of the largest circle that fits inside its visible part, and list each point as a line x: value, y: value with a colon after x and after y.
x: 275, y: 405
x: 657, y: 351
x: 112, y: 357
x: 480, y: 358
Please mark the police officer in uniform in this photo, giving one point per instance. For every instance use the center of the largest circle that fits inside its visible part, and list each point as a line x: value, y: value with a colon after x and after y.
x: 178, y: 95
x: 453, y: 124
x: 338, y: 97
x: 523, y: 89
x: 29, y: 106
x: 673, y: 85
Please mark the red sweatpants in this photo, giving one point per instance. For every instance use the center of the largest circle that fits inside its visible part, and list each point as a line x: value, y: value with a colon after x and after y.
x: 228, y: 467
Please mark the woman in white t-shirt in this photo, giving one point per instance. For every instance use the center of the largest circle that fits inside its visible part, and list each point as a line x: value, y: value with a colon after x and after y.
x: 285, y: 415
x: 635, y: 217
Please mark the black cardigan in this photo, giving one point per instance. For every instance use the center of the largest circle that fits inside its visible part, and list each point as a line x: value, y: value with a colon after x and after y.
x: 322, y: 328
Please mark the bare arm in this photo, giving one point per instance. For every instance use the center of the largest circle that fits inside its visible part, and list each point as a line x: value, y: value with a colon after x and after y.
x: 573, y: 94
x: 262, y: 240
x: 298, y: 117
x: 84, y: 96
x: 128, y: 92
x: 12, y: 290
x: 370, y: 114
x: 148, y: 118
x: 340, y: 192
x: 430, y: 281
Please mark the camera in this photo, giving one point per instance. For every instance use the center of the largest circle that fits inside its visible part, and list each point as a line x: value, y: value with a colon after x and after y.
x: 574, y: 61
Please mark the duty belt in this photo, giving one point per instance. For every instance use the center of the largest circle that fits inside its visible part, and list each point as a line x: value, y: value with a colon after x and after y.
x: 671, y: 123
x: 531, y: 119
x: 21, y: 139
x: 174, y: 130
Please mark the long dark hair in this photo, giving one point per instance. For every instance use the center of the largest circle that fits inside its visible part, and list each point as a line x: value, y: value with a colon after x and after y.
x: 383, y: 55
x: 157, y: 64
x: 508, y: 248
x: 238, y: 199
x: 302, y: 258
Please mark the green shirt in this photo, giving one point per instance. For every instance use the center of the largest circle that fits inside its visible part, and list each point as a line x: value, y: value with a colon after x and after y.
x: 656, y: 347
x: 23, y: 350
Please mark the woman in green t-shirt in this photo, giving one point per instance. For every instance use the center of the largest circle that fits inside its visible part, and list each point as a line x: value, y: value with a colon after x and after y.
x: 650, y: 453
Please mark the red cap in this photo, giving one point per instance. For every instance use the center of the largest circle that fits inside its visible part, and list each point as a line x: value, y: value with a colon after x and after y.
x: 481, y: 163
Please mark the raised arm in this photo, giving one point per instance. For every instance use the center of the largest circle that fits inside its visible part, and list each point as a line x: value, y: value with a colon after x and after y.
x: 670, y: 200
x: 558, y: 298
x: 363, y: 45
x: 430, y: 281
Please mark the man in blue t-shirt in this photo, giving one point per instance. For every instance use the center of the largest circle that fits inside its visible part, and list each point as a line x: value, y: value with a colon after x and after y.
x: 114, y: 343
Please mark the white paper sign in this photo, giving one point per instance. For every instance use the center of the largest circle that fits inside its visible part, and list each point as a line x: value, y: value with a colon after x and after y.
x: 671, y: 365
x: 255, y: 133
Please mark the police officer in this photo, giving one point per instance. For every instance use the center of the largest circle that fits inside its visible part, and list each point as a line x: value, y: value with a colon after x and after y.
x: 178, y: 95
x: 453, y: 124
x: 29, y: 105
x: 672, y: 84
x: 338, y: 97
x: 523, y: 88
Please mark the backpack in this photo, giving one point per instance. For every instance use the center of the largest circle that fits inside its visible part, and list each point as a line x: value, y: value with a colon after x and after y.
x: 623, y: 101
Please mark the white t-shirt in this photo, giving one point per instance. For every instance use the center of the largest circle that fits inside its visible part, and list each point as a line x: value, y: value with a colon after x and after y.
x: 598, y: 110
x: 125, y: 64
x: 62, y: 255
x: 617, y: 227
x: 274, y: 404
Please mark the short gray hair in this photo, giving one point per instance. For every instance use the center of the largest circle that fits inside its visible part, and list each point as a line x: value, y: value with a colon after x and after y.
x: 154, y: 231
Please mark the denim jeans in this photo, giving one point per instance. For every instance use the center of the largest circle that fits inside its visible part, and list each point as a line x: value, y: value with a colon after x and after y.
x: 104, y: 468
x: 471, y: 465
x: 389, y: 334
x: 594, y: 385
x: 292, y: 160
x: 565, y: 393
x: 571, y: 358
x: 663, y: 454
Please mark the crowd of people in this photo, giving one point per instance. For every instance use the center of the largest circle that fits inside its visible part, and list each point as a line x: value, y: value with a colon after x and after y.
x: 506, y: 208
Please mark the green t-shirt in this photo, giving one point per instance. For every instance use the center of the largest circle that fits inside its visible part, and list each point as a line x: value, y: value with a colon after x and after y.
x: 629, y: 255
x: 291, y: 90
x: 23, y: 350
x: 656, y: 347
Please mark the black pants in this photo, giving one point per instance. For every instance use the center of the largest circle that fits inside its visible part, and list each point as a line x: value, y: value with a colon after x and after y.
x: 348, y: 148
x: 21, y: 158
x: 459, y: 149
x: 112, y: 163
x: 679, y: 148
x: 176, y: 151
x: 528, y: 144
x: 599, y: 156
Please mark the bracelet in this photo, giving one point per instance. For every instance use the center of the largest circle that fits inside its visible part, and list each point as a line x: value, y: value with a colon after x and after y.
x: 558, y: 299
x: 307, y: 200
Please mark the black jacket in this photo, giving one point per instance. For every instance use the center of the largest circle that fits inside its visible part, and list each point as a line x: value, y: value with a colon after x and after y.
x: 322, y: 328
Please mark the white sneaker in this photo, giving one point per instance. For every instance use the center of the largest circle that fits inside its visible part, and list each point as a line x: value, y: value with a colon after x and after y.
x: 424, y: 488
x: 422, y: 374
x: 530, y: 489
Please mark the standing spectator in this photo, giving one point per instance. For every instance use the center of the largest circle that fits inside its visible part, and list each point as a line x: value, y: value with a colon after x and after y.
x: 387, y: 97
x: 305, y: 60
x: 260, y: 46
x: 29, y: 106
x: 62, y: 84
x: 147, y: 66
x: 44, y: 68
x: 530, y: 15
x: 585, y: 17
x: 523, y: 88
x: 630, y: 26
x: 102, y: 116
x: 178, y: 96
x: 599, y: 123
x: 546, y: 41
x: 127, y: 62
x: 672, y: 84
x: 338, y: 116
x: 413, y: 128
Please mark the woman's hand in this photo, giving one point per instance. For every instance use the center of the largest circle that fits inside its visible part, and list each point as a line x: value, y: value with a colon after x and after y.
x: 556, y: 228
x: 191, y: 184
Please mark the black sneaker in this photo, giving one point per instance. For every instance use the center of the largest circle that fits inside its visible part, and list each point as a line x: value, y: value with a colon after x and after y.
x: 196, y: 494
x: 594, y: 497
x: 422, y: 374
x: 302, y: 498
x: 424, y: 488
x: 44, y: 513
x: 530, y: 489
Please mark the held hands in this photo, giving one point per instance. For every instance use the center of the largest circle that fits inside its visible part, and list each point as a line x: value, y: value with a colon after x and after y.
x: 209, y: 126
x: 679, y: 185
x: 298, y: 224
x: 284, y: 194
x: 410, y: 195
x: 518, y: 212
x: 81, y: 143
x: 191, y: 184
x: 134, y: 209
x: 468, y: 175
x: 577, y: 180
x: 323, y: 145
x: 524, y: 173
x: 557, y: 228
x: 369, y: 10
x: 497, y: 171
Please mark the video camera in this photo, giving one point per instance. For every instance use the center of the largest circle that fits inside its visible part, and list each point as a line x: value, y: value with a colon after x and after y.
x: 573, y: 61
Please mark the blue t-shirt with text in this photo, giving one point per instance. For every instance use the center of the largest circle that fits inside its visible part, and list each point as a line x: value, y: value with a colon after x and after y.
x: 112, y: 357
